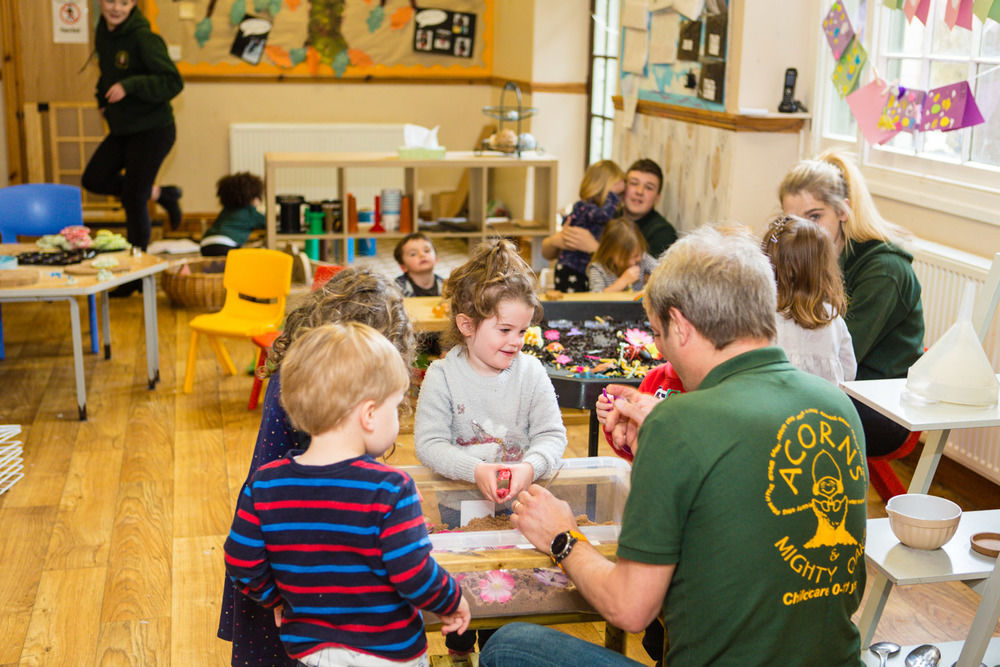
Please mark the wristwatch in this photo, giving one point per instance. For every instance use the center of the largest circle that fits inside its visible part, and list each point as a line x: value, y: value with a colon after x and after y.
x: 563, y: 543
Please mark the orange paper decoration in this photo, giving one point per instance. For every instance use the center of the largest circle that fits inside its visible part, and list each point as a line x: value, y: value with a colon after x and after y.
x: 400, y: 17
x: 312, y: 60
x: 278, y: 56
x: 359, y: 58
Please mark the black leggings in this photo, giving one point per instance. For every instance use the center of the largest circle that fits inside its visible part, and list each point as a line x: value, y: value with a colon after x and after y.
x: 125, y: 166
x: 882, y: 435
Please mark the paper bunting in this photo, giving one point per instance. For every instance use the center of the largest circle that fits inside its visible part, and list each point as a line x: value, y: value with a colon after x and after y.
x: 994, y: 12
x: 893, y: 4
x: 958, y: 12
x: 950, y: 107
x: 848, y: 69
x: 981, y: 8
x: 903, y: 110
x: 838, y: 30
x: 918, y: 8
x: 866, y: 105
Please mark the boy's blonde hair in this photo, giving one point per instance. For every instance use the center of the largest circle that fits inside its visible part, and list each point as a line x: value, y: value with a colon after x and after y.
x: 598, y: 180
x: 329, y: 370
x: 621, y: 240
x: 835, y: 180
x: 806, y: 271
x: 495, y: 272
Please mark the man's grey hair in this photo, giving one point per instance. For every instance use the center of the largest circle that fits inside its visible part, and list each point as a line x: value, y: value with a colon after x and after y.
x: 721, y: 282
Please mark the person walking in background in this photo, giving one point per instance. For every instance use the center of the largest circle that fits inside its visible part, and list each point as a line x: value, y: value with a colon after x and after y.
x: 240, y: 195
x: 134, y: 90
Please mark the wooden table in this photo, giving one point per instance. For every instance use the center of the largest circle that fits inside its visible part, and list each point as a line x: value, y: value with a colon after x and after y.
x: 607, y: 477
x: 55, y: 284
x: 938, y: 420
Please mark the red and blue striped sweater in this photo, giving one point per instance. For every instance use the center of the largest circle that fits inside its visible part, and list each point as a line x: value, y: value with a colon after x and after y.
x: 345, y: 549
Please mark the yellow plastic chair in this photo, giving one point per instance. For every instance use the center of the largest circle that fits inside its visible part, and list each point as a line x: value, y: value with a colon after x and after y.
x: 257, y: 283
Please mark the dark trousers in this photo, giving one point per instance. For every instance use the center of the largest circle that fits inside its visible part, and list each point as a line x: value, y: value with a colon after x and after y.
x: 882, y: 435
x: 215, y: 250
x: 125, y: 166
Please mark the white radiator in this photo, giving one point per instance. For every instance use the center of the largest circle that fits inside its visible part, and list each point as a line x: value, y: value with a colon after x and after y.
x: 249, y: 141
x: 943, y: 274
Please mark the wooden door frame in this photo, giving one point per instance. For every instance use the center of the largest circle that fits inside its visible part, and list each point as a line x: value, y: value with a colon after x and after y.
x: 12, y: 79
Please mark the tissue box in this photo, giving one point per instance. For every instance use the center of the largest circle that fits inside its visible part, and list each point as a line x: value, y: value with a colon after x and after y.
x: 421, y: 153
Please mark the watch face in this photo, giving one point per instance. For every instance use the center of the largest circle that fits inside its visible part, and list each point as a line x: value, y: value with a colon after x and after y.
x: 559, y: 543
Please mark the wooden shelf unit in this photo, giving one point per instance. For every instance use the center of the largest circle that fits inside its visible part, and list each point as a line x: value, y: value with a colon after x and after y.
x: 539, y: 222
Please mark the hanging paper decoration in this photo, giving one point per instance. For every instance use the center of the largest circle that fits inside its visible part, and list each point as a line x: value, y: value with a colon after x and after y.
x: 903, y: 110
x: 994, y: 12
x: 848, y: 69
x: 958, y: 12
x: 893, y: 4
x: 918, y: 8
x: 866, y: 105
x: 950, y: 107
x: 838, y: 30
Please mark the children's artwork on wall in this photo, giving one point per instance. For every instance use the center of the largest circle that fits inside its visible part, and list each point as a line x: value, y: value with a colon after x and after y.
x: 866, y: 104
x: 715, y: 35
x: 690, y: 40
x: 710, y: 85
x: 958, y: 12
x: 950, y: 107
x: 903, y: 109
x: 838, y: 30
x: 445, y: 32
x: 918, y: 8
x: 328, y: 38
x: 848, y: 69
x: 664, y: 31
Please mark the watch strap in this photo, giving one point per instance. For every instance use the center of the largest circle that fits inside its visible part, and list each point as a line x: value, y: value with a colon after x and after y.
x: 573, y: 536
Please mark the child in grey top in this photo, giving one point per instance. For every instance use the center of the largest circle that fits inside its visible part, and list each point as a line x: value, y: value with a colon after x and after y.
x: 621, y: 261
x: 486, y: 405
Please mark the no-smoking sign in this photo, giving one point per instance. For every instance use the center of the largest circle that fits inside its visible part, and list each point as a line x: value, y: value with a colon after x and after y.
x: 69, y: 21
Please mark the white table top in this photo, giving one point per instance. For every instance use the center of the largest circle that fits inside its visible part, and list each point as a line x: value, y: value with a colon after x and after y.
x: 955, y: 561
x: 54, y: 281
x: 887, y: 397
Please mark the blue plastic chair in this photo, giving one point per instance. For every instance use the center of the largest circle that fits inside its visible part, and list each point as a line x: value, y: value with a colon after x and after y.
x: 35, y: 209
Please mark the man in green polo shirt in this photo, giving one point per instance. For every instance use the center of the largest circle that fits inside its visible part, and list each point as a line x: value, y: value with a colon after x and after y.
x: 745, y: 523
x: 643, y: 183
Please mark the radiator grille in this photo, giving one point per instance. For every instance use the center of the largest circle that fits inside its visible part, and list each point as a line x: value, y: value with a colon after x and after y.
x: 943, y: 274
x: 249, y: 141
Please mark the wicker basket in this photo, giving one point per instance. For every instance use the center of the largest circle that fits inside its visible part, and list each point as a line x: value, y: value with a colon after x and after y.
x: 196, y: 289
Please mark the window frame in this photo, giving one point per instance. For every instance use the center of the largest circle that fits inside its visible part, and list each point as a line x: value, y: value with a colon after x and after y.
x: 613, y: 8
x: 967, y: 189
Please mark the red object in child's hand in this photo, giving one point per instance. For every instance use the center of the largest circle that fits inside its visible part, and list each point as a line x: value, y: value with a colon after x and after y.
x: 503, y: 482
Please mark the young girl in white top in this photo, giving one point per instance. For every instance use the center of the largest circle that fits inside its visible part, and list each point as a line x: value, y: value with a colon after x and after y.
x: 810, y: 299
x: 486, y: 406
x: 621, y: 261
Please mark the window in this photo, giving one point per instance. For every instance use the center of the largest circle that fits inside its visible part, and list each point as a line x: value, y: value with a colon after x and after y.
x: 603, y: 78
x: 925, y: 57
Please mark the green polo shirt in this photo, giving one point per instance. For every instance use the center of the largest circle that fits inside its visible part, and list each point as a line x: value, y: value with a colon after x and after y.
x: 754, y: 485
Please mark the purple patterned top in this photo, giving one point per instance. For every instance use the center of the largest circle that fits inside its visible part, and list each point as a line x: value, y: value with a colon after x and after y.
x: 591, y: 217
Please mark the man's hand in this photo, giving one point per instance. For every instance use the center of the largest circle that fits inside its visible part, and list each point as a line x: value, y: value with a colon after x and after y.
x: 627, y: 414
x: 540, y: 516
x: 116, y: 93
x: 457, y: 622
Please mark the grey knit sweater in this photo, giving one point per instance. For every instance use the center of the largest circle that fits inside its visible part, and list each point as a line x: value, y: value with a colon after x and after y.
x: 464, y: 418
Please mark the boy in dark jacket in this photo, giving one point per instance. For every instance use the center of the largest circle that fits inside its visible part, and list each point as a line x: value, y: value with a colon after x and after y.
x: 239, y: 195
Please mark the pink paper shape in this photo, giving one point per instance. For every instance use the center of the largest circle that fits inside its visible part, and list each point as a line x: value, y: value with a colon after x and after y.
x: 866, y: 105
x: 958, y: 12
x: 950, y: 107
x: 918, y: 8
x: 838, y: 29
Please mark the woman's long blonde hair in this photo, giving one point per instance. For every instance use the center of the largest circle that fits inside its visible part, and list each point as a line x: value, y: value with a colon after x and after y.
x: 598, y: 181
x: 835, y: 180
x: 810, y: 288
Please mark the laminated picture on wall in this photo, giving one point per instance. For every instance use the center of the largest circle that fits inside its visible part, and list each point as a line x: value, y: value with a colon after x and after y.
x: 444, y: 32
x: 251, y: 39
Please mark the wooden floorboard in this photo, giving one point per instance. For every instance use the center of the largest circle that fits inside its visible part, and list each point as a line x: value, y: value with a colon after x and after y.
x: 111, y: 544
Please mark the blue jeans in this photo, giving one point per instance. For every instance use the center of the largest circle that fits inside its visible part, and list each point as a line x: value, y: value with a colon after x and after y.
x: 520, y: 644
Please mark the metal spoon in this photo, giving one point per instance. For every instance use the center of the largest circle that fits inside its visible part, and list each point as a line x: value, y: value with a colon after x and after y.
x: 883, y: 650
x: 925, y: 655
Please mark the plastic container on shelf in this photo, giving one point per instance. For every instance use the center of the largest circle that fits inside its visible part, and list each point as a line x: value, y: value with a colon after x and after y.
x: 365, y: 247
x: 314, y: 225
x: 290, y: 213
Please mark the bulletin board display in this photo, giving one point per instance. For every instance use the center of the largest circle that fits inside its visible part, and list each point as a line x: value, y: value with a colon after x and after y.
x: 348, y: 39
x: 674, y: 52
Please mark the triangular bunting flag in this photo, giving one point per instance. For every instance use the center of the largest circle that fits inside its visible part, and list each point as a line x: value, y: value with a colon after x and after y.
x: 950, y: 107
x: 866, y: 105
x: 838, y: 30
x: 848, y: 69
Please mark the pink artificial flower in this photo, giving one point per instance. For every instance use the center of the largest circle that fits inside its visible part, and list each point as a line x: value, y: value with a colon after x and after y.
x: 496, y: 586
x: 563, y: 359
x: 638, y: 337
x: 551, y: 334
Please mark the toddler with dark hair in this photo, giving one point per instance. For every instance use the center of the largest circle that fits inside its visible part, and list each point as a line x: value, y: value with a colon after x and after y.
x: 240, y: 195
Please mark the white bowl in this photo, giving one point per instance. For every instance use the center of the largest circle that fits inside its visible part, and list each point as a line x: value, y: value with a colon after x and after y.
x: 922, y: 521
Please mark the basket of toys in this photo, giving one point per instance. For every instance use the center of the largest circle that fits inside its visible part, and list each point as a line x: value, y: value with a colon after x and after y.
x: 196, y: 284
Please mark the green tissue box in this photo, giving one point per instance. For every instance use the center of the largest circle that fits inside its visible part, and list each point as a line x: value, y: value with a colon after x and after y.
x: 421, y: 153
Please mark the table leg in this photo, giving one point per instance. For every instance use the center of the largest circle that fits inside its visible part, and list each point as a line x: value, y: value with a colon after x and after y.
x: 928, y: 463
x: 81, y: 389
x: 592, y: 433
x: 874, y: 605
x: 106, y: 320
x: 985, y: 620
x: 92, y: 312
x: 152, y: 334
x: 614, y: 638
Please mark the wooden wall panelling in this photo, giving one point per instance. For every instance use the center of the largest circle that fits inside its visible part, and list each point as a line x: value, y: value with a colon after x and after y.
x: 34, y: 144
x: 11, y: 78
